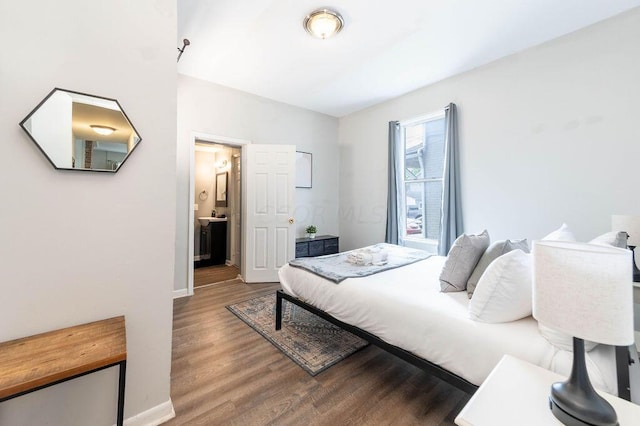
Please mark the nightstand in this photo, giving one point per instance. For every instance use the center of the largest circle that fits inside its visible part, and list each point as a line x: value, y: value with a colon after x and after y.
x: 517, y: 393
x: 318, y: 246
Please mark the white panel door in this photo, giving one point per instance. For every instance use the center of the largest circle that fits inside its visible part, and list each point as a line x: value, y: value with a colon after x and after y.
x: 269, y: 184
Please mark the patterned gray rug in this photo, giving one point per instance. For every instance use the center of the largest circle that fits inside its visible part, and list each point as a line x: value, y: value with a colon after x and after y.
x: 311, y: 342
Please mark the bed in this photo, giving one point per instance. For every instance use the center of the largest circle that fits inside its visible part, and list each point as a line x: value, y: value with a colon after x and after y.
x: 403, y: 311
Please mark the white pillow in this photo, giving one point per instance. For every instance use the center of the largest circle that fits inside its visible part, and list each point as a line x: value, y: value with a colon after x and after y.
x: 561, y: 234
x: 504, y: 291
x: 561, y: 340
x: 613, y: 238
x: 494, y: 251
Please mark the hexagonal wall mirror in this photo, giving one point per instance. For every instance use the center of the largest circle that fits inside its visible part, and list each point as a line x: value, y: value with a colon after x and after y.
x: 76, y: 131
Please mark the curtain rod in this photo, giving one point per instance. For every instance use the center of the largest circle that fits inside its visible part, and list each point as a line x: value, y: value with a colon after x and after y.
x: 423, y: 117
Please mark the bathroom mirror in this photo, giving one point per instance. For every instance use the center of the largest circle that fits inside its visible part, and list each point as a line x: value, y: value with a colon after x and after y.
x: 221, y: 189
x: 77, y: 131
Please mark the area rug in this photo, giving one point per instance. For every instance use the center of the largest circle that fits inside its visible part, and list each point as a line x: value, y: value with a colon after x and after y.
x: 311, y: 342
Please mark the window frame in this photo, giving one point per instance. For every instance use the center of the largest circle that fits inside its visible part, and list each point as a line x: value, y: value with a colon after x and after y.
x: 410, y: 240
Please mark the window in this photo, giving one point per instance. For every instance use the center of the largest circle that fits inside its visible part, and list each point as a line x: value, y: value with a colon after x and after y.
x: 420, y: 186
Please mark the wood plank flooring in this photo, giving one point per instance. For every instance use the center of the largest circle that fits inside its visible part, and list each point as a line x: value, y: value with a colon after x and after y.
x: 214, y: 274
x: 223, y: 372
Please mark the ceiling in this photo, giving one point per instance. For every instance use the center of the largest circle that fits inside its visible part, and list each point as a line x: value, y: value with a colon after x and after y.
x: 387, y: 48
x: 84, y: 115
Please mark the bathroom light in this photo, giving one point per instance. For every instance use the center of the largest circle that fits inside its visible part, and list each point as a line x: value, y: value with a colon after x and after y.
x: 102, y: 130
x: 323, y: 23
x: 222, y: 164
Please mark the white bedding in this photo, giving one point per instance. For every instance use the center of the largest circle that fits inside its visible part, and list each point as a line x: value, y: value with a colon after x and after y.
x: 405, y: 308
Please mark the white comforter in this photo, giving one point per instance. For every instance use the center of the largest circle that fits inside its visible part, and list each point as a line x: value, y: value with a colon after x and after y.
x: 405, y: 308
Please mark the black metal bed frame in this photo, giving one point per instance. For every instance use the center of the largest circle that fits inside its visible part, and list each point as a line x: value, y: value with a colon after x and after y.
x: 623, y: 357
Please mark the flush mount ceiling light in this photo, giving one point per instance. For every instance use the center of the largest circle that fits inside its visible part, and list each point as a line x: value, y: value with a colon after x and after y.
x: 102, y: 130
x: 323, y: 23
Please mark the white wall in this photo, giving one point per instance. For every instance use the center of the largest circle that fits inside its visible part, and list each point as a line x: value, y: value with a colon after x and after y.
x: 82, y: 246
x: 221, y: 111
x: 546, y: 136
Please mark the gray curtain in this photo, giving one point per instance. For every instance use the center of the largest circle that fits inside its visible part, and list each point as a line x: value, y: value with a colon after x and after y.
x: 391, y: 235
x: 451, y: 226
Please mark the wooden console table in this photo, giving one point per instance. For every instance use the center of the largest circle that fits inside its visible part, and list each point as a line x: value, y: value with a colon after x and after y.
x: 46, y: 359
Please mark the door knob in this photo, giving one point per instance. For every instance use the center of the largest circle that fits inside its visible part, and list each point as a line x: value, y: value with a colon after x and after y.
x: 291, y: 220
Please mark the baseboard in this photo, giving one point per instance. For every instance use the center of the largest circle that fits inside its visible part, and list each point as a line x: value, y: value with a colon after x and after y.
x: 228, y: 262
x: 153, y: 416
x: 180, y: 293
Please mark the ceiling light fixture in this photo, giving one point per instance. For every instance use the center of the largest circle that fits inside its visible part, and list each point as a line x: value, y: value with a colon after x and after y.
x: 102, y: 130
x: 323, y: 23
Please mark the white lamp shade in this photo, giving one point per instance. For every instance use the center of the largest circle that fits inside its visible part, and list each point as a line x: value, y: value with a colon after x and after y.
x: 584, y: 290
x: 628, y: 224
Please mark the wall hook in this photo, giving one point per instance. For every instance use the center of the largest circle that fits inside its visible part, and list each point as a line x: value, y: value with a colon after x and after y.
x: 186, y: 43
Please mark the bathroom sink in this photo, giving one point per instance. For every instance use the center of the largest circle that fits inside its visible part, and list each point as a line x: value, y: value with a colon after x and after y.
x: 204, y: 221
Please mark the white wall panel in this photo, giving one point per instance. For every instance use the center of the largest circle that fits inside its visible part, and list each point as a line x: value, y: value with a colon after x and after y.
x: 282, y: 183
x: 261, y: 193
x: 260, y: 249
x: 281, y: 240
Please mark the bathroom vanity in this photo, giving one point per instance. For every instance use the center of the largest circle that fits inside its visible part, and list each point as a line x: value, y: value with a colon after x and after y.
x: 213, y: 241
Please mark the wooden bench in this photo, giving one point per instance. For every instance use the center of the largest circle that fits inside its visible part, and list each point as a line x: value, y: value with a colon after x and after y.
x: 46, y: 359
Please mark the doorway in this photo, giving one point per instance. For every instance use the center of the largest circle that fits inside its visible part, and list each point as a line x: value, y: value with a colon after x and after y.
x: 209, y: 275
x: 215, y: 212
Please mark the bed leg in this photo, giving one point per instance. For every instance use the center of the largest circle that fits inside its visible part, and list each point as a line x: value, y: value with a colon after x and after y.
x: 278, y: 310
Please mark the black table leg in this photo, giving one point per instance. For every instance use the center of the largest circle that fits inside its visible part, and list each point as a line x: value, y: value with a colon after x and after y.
x: 121, y: 381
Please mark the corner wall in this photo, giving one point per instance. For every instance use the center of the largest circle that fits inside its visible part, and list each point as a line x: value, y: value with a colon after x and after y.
x: 221, y: 111
x: 77, y: 247
x: 549, y: 135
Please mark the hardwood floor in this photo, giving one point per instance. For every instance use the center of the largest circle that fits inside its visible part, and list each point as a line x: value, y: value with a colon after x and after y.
x: 214, y: 274
x: 223, y: 372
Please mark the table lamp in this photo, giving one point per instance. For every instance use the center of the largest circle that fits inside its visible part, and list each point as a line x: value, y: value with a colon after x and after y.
x: 630, y: 225
x: 583, y: 290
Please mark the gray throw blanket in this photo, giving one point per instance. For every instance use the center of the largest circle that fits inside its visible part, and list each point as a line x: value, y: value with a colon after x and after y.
x: 337, y: 268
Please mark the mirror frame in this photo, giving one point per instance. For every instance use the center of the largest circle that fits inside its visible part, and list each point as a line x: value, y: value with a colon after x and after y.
x: 222, y: 179
x: 22, y: 125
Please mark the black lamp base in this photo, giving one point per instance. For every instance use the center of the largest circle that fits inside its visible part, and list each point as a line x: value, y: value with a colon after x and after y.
x: 575, y: 402
x: 568, y: 420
